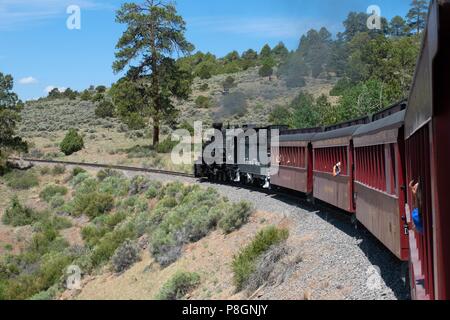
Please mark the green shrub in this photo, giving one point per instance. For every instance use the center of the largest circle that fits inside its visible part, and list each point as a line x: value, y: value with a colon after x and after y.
x: 92, y: 204
x: 125, y: 256
x: 36, y: 272
x: 236, y: 217
x: 340, y: 87
x: 79, y: 178
x: 173, y: 189
x: 92, y: 234
x: 44, y: 170
x: 18, y: 215
x: 265, y: 71
x: 108, y: 244
x: 134, y: 204
x: 98, y: 97
x: 138, y: 152
x: 135, y: 121
x: 104, y: 110
x: 46, y: 295
x: 244, y: 264
x: 229, y: 83
x: 89, y: 185
x: 71, y: 143
x: 52, y: 190
x: 152, y: 192
x: 114, y: 219
x: 105, y: 173
x: 187, y: 126
x: 139, y: 185
x: 101, y: 89
x: 178, y: 286
x: 57, y: 202
x: 86, y: 96
x: 185, y: 214
x: 115, y: 185
x: 21, y: 180
x: 166, y: 146
x: 58, y: 169
x: 142, y: 223
x: 53, y: 268
x: 203, y: 102
x: 47, y: 222
x: 77, y: 170
x: 205, y: 71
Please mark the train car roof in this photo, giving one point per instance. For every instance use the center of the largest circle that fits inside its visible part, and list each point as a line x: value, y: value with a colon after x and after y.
x: 397, y: 107
x: 297, y: 137
x: 338, y: 133
x: 391, y: 122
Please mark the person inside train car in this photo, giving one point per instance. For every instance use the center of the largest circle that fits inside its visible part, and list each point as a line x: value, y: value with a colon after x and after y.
x: 417, y: 206
x: 337, y: 169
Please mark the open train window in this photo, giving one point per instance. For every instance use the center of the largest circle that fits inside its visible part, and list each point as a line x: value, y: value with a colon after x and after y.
x: 326, y: 158
x: 293, y: 157
x: 371, y: 167
x: 394, y: 189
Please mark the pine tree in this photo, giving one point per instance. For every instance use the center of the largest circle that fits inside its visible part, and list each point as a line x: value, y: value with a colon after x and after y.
x: 10, y: 106
x: 266, y: 52
x: 280, y: 51
x: 417, y: 15
x: 154, y: 33
x: 397, y: 27
x: 266, y: 71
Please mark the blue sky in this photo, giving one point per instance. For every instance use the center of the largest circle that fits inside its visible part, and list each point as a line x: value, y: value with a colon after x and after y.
x: 40, y: 52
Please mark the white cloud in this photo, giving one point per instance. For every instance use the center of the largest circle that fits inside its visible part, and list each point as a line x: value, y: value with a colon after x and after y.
x: 50, y: 88
x: 28, y: 80
x: 14, y: 13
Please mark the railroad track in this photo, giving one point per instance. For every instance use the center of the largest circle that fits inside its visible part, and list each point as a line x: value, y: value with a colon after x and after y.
x: 106, y: 166
x: 292, y: 196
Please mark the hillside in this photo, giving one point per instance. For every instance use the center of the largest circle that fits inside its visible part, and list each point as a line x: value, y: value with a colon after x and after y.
x: 196, y: 228
x: 260, y: 95
x: 46, y: 121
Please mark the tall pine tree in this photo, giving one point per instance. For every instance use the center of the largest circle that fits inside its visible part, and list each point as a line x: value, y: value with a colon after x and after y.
x: 155, y: 32
x: 10, y: 106
x: 417, y: 15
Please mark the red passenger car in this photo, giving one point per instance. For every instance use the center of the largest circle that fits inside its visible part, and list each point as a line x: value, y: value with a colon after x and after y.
x: 294, y: 159
x: 427, y: 133
x: 331, y: 148
x: 379, y: 180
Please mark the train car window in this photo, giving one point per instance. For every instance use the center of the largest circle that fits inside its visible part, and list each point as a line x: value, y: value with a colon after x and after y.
x: 327, y: 158
x: 294, y: 157
x: 393, y: 169
x: 371, y: 167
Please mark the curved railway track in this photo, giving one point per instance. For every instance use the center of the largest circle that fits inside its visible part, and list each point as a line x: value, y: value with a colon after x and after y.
x: 106, y: 166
